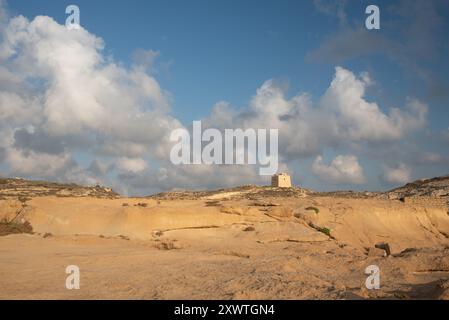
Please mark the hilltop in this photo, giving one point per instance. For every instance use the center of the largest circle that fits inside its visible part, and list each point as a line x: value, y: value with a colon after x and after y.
x: 436, y: 187
x: 10, y: 188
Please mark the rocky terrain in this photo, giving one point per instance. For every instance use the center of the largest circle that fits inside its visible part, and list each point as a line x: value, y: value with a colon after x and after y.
x: 436, y: 187
x: 13, y: 188
x: 247, y: 242
x: 238, y: 193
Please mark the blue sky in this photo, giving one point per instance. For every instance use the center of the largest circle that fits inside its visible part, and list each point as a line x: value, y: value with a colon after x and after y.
x: 215, y: 50
x: 209, y: 50
x: 212, y: 51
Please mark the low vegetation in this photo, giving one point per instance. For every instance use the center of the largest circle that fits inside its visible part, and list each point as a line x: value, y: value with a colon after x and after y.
x: 313, y: 209
x: 11, y: 227
x: 324, y: 230
x: 166, y: 245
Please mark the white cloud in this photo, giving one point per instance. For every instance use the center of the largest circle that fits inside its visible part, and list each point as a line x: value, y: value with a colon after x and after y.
x: 342, y: 117
x: 356, y: 119
x: 58, y: 83
x: 399, y: 174
x: 81, y: 91
x: 342, y: 169
x: 32, y: 163
x: 131, y: 165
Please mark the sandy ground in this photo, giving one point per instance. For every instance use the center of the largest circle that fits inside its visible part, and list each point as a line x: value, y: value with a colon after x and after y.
x: 280, y: 248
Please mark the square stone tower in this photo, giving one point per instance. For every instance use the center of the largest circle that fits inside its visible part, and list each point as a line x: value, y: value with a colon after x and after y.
x: 281, y: 180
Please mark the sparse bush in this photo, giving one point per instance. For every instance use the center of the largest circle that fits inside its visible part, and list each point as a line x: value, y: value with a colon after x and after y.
x: 249, y: 228
x: 213, y: 203
x: 313, y: 208
x: 125, y: 205
x: 142, y: 204
x: 298, y: 215
x: 324, y: 230
x: 157, y: 233
x: 8, y: 227
x: 23, y: 200
x: 166, y: 245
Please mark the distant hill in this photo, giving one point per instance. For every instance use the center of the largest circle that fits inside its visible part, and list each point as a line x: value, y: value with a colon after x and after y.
x: 251, y: 192
x: 10, y: 188
x: 435, y: 187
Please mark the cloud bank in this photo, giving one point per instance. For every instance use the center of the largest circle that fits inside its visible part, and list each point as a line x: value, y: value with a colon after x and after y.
x: 397, y: 175
x: 342, y: 169
x: 68, y: 112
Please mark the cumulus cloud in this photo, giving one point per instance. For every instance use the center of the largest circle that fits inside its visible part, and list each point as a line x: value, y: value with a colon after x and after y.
x: 343, y: 116
x: 60, y: 94
x: 31, y: 163
x: 131, y: 165
x: 356, y: 119
x: 399, y: 174
x: 37, y: 142
x: 80, y: 91
x: 342, y: 169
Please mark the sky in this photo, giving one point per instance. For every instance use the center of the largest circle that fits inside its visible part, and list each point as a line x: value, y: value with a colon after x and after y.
x: 356, y: 109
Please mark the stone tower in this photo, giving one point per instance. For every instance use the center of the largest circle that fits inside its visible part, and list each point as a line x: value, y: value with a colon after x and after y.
x: 281, y: 180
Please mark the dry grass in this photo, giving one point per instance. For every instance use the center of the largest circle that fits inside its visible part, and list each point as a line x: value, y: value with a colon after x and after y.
x: 166, y: 245
x: 7, y: 227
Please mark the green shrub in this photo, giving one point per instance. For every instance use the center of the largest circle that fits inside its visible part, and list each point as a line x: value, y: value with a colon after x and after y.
x: 325, y: 230
x: 314, y: 209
